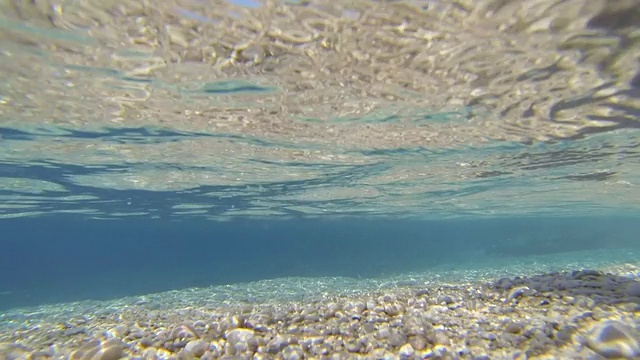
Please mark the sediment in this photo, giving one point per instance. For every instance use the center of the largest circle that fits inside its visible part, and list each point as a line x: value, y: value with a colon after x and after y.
x: 585, y: 314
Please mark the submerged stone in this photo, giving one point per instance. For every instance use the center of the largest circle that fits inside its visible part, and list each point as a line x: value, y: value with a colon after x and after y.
x: 111, y: 349
x: 614, y: 339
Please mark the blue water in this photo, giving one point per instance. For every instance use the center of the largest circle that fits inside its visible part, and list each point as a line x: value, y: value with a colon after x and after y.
x: 147, y: 153
x: 64, y: 258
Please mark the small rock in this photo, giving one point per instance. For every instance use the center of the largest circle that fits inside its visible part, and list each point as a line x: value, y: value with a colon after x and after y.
x: 183, y: 332
x: 383, y: 332
x: 119, y: 331
x: 396, y: 338
x: 233, y: 322
x: 414, y: 324
x: 446, y: 299
x: 276, y: 344
x: 149, y: 353
x: 442, y: 338
x: 353, y: 345
x: 406, y: 351
x: 564, y: 334
x: 196, y: 347
x: 16, y: 354
x: 293, y: 352
x: 504, y: 283
x: 633, y: 289
x: 86, y: 351
x: 584, y: 273
x: 481, y: 357
x: 513, y: 327
x: 371, y: 304
x: 614, y: 339
x: 199, y: 324
x: 440, y: 351
x: 464, y: 352
x: 417, y: 342
x: 516, y: 292
x: 142, y: 301
x: 320, y: 349
x: 74, y: 331
x: 242, y: 339
x: 381, y: 354
x: 393, y: 309
x: 354, y: 308
x: 112, y: 349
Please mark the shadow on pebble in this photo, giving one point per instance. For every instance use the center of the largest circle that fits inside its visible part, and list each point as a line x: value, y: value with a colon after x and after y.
x: 594, y: 287
x: 611, y: 339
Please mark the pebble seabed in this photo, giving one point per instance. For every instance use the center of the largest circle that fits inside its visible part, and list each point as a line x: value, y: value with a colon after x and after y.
x: 585, y: 314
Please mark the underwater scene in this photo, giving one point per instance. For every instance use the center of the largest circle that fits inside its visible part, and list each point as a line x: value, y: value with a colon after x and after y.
x: 314, y: 179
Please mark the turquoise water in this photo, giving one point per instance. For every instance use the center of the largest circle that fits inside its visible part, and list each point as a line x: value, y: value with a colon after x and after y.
x: 150, y: 149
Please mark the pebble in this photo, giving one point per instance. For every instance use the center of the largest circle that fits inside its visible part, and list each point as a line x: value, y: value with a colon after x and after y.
x: 276, y: 344
x: 406, y: 351
x: 393, y: 309
x: 445, y: 322
x: 513, y: 327
x: 614, y: 339
x: 441, y: 338
x: 119, y: 331
x: 584, y: 273
x: 516, y: 292
x: 183, y: 332
x: 196, y: 348
x: 445, y: 299
x: 15, y: 352
x: 353, y: 345
x: 293, y: 352
x: 242, y: 339
x: 418, y: 342
x: 633, y: 289
x: 396, y: 338
x: 111, y: 349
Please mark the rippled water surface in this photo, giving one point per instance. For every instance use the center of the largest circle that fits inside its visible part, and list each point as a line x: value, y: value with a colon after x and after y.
x: 213, y: 109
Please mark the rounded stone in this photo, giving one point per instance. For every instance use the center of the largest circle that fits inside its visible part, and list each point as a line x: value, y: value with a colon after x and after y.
x: 16, y: 354
x: 242, y: 339
x: 503, y: 283
x: 417, y: 342
x: 276, y: 344
x: 353, y: 345
x: 614, y: 339
x: 517, y: 292
x: 183, y: 332
x: 233, y: 322
x: 292, y: 352
x: 111, y: 350
x: 396, y: 338
x: 86, y: 351
x: 633, y: 289
x: 441, y: 338
x: 393, y: 309
x: 119, y: 331
x: 321, y: 349
x: 196, y: 347
x: 199, y: 324
x: 445, y: 299
x: 513, y: 327
x: 406, y: 351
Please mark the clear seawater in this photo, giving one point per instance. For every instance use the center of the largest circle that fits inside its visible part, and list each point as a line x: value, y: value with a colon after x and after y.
x: 196, y: 143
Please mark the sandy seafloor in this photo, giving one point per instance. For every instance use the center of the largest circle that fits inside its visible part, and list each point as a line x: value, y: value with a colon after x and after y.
x: 581, y: 305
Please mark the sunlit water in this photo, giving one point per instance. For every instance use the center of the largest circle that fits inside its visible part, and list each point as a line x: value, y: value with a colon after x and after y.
x: 149, y: 146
